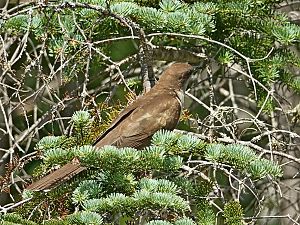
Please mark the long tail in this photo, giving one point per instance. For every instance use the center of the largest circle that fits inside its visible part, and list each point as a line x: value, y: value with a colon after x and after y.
x: 57, y: 177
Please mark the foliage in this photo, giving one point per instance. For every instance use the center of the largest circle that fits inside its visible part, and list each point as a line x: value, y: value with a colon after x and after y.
x: 14, y: 219
x: 199, y: 18
x: 233, y: 213
x: 69, y: 67
x: 129, y: 183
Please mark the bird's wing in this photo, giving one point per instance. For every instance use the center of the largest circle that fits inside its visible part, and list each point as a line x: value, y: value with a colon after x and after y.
x: 113, y: 125
x: 121, y: 117
x: 138, y: 140
x: 136, y: 131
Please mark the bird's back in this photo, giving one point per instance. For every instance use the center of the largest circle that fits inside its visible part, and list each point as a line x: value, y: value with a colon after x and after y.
x: 158, y: 109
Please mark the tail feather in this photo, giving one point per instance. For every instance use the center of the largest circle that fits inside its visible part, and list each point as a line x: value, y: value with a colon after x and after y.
x: 57, y: 177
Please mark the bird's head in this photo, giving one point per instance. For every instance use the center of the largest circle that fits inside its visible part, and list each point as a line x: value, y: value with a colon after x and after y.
x: 176, y: 75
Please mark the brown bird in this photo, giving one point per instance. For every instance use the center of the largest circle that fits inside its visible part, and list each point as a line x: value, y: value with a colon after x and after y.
x: 159, y: 108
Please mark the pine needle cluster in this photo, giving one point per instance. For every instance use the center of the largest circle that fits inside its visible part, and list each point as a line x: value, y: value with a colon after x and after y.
x: 126, y: 184
x: 245, y: 25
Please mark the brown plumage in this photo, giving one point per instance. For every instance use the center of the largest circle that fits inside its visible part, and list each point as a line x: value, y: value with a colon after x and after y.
x: 158, y: 109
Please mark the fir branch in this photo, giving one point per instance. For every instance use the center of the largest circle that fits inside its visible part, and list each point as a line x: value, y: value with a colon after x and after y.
x: 85, y: 217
